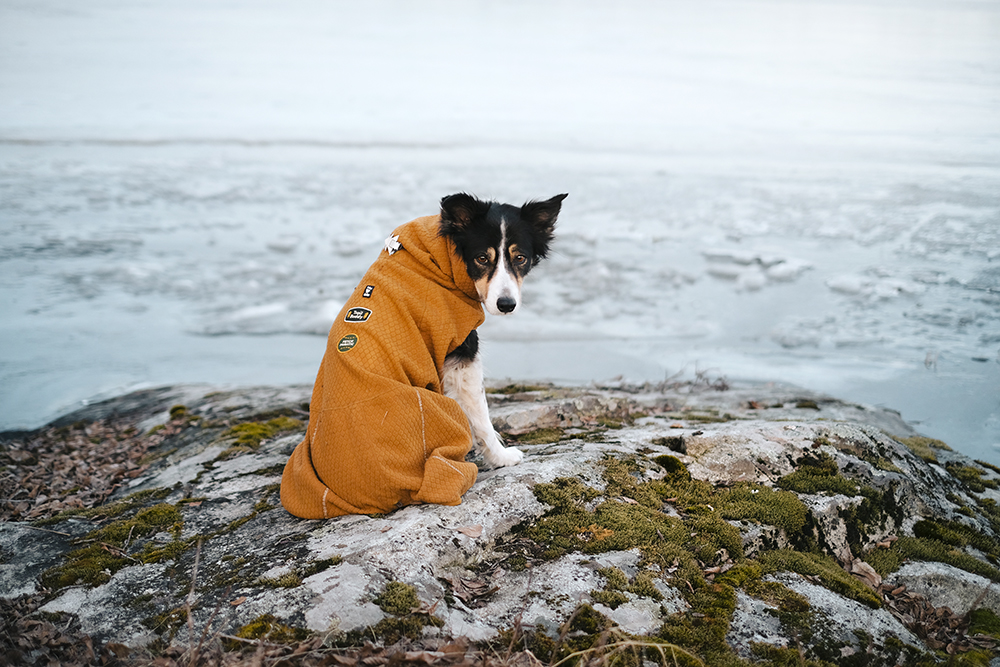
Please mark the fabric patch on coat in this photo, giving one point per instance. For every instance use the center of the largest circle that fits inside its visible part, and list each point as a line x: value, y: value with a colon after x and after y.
x: 347, y: 343
x: 368, y: 291
x: 392, y: 244
x: 357, y: 315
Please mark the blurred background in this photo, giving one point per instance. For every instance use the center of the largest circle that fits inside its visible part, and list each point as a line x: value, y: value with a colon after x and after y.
x: 804, y: 192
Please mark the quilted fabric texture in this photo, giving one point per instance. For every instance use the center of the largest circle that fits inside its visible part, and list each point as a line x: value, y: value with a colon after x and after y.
x: 381, y: 434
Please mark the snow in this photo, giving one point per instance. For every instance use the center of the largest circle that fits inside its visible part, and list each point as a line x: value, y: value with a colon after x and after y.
x: 804, y: 192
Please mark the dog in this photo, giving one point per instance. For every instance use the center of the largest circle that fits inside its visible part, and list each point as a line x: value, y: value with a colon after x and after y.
x: 399, y: 400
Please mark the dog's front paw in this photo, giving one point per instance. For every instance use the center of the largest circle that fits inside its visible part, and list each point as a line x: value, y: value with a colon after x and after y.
x: 501, y: 456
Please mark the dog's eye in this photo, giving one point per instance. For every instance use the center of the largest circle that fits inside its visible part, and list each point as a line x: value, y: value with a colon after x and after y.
x: 520, y: 260
x: 482, y: 259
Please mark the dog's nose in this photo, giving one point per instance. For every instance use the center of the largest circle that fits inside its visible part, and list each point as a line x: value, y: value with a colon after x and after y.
x: 505, y: 304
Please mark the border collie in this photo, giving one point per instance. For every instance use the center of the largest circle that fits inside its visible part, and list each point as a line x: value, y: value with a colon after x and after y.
x: 499, y: 244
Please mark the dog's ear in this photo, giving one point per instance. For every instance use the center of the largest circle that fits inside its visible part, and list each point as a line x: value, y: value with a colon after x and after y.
x: 542, y: 216
x: 459, y: 210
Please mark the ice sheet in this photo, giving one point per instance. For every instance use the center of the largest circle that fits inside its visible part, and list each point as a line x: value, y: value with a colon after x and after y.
x: 767, y: 190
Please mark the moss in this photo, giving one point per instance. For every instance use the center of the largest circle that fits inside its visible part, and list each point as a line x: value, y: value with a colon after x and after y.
x: 542, y: 436
x: 643, y: 586
x: 741, y: 574
x: 565, y: 493
x: 512, y: 389
x: 928, y: 549
x: 390, y: 630
x: 287, y: 580
x: 167, y: 622
x: 784, y: 656
x: 761, y: 504
x: 251, y: 434
x: 703, y: 628
x: 818, y: 474
x: 807, y: 404
x: 585, y: 629
x: 173, y: 550
x: 825, y: 568
x: 673, y: 466
x: 973, y: 658
x: 270, y: 629
x: 398, y: 599
x: 628, y: 514
x: 924, y: 447
x: 883, y: 463
x: 400, y: 602
x: 707, y: 417
x: 984, y: 622
x: 270, y: 471
x: 612, y: 599
x: 117, y: 508
x: 317, y: 566
x: 619, y: 480
x: 957, y: 534
x: 870, y: 517
x: 971, y: 477
x: 104, y: 553
x: 178, y: 412
x: 232, y: 574
x: 615, y: 578
x: 988, y: 466
x: 617, y: 584
x: 777, y: 594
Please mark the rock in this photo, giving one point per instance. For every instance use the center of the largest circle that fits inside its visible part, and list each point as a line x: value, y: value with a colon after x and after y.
x: 767, y: 515
x: 947, y: 586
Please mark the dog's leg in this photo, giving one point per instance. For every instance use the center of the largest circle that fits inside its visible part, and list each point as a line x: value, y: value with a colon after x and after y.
x: 462, y: 380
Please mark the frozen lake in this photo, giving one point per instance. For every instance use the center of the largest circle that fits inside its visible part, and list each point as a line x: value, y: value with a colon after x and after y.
x: 806, y: 193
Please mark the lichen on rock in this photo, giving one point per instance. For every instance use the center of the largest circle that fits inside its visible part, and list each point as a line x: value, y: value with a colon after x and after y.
x: 724, y: 523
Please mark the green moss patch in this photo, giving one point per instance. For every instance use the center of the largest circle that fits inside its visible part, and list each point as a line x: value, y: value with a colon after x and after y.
x: 822, y: 566
x: 984, y: 622
x: 400, y: 602
x: 958, y: 535
x: 885, y: 561
x: 117, y: 508
x: 542, y: 436
x: 398, y: 599
x: 617, y: 584
x: 778, y: 595
x: 761, y: 504
x: 104, y: 553
x: 251, y: 434
x: 818, y: 474
x: 924, y: 447
x: 512, y: 389
x: 629, y: 514
x: 269, y: 629
x: 971, y: 477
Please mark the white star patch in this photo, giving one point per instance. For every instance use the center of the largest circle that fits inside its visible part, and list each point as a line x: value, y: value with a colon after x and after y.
x: 392, y: 244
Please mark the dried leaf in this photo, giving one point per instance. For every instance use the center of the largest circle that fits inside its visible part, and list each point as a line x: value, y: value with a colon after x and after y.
x: 866, y: 573
x: 472, y: 531
x: 118, y: 649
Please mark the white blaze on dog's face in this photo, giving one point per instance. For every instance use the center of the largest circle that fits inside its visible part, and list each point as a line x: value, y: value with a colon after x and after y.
x: 500, y: 286
x: 499, y: 243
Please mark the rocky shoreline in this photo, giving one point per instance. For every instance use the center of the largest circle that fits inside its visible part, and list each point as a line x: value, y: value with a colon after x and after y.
x: 731, y: 525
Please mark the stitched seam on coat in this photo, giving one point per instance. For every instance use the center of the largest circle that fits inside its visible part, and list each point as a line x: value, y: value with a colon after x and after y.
x: 423, y: 432
x: 448, y: 463
x: 325, y: 514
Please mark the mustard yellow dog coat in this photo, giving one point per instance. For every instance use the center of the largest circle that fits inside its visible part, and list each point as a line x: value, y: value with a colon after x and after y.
x: 381, y: 434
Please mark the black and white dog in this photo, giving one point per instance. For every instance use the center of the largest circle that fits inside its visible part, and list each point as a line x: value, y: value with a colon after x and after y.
x: 499, y: 244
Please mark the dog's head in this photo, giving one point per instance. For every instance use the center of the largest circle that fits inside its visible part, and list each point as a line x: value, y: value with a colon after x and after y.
x: 499, y: 243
